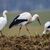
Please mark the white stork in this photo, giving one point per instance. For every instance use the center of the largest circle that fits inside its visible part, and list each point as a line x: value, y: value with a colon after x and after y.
x: 3, y: 21
x: 46, y: 27
x: 23, y: 19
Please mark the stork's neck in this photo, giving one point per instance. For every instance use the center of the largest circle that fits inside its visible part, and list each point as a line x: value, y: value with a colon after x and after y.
x: 33, y: 19
x: 4, y: 15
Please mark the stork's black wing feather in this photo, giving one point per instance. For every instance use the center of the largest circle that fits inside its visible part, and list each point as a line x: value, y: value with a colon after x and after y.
x: 48, y: 26
x: 16, y: 22
x: 16, y: 17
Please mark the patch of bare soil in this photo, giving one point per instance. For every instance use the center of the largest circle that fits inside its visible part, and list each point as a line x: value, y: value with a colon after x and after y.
x: 38, y: 42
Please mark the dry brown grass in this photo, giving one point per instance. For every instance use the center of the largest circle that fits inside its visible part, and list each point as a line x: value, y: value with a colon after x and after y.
x: 38, y: 42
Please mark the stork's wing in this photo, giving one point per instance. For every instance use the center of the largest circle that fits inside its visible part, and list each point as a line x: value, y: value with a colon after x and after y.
x: 16, y: 22
x: 48, y: 26
x: 16, y: 17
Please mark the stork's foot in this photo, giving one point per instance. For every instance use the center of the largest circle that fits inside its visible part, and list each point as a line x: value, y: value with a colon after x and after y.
x: 2, y: 34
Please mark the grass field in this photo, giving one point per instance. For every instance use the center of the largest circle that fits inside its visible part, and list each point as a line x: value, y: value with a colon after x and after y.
x: 34, y: 27
x: 14, y: 42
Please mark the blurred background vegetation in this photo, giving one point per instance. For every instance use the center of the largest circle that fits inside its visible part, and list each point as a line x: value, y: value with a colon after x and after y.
x: 15, y: 7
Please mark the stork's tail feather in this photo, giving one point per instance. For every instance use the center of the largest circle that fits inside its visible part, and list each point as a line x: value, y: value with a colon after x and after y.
x: 12, y: 24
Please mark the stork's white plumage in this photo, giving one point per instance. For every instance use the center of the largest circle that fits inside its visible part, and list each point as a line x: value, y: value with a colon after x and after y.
x: 23, y: 19
x: 46, y: 27
x: 3, y: 21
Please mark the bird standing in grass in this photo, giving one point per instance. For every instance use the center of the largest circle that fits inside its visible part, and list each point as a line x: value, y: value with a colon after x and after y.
x: 46, y: 27
x: 23, y: 19
x: 3, y: 21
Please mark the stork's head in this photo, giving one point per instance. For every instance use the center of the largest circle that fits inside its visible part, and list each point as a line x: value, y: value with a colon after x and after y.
x: 5, y: 11
x: 36, y: 17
